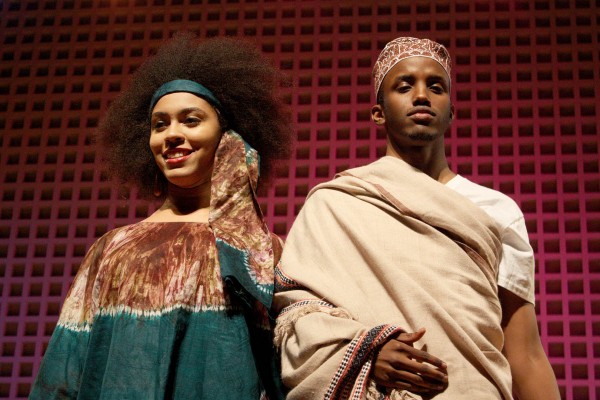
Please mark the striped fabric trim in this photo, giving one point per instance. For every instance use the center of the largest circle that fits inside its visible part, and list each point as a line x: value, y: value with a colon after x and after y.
x: 349, y: 381
x: 359, y: 388
x: 284, y: 283
x: 303, y: 303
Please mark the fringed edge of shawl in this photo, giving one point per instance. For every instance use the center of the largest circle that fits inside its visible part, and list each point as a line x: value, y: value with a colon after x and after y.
x: 292, y: 313
x: 373, y: 393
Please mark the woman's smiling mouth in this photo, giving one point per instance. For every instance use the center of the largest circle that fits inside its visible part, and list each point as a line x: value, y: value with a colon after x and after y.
x: 177, y: 156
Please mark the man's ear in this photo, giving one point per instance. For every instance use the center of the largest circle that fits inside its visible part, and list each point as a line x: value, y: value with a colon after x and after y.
x: 451, y: 112
x: 377, y: 114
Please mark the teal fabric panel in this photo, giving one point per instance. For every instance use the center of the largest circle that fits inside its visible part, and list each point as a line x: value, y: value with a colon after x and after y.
x: 180, y: 355
x: 59, y: 376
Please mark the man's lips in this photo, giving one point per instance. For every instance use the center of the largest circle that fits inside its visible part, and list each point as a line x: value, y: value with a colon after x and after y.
x: 421, y: 110
x: 421, y: 114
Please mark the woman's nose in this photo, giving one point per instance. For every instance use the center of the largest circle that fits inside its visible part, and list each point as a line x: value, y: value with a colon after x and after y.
x: 173, y: 134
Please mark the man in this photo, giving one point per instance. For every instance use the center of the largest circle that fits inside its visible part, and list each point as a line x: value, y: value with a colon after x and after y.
x: 401, y: 279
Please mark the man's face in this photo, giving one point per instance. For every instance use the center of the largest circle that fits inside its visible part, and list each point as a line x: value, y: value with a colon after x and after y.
x: 416, y: 108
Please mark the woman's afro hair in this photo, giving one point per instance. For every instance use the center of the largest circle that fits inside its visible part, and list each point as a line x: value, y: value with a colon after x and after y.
x: 244, y: 81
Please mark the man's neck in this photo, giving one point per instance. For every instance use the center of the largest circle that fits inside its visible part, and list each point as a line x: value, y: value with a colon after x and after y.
x: 428, y: 159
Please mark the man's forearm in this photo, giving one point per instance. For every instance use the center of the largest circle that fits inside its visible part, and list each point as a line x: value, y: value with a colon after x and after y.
x: 533, y: 378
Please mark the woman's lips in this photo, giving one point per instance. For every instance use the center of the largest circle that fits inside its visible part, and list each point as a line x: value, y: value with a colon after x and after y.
x: 176, y: 157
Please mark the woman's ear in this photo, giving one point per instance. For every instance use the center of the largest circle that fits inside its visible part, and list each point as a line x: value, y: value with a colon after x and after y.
x: 222, y: 121
x: 377, y: 114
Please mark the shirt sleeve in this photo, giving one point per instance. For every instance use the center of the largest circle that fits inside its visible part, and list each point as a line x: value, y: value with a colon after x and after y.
x: 517, y: 267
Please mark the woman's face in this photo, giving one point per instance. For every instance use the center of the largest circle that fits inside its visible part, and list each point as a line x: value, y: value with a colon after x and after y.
x: 184, y: 136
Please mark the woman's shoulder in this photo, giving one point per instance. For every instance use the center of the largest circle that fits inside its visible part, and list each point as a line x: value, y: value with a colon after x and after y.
x: 111, y: 233
x: 117, y: 233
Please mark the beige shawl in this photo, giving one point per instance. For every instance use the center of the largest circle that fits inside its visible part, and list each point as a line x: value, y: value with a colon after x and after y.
x: 379, y: 250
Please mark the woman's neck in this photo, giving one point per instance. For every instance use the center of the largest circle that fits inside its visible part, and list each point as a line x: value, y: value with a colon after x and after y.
x: 184, y: 205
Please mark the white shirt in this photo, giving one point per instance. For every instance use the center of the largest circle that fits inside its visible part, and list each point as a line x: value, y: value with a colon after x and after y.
x: 517, y: 266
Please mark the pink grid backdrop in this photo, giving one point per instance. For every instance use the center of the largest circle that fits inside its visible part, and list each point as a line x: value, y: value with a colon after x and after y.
x: 525, y: 87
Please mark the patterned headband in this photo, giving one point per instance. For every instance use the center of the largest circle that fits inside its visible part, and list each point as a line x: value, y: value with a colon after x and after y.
x: 406, y: 47
x: 184, y: 85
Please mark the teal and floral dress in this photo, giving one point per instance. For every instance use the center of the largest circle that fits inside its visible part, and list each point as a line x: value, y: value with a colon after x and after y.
x: 174, y: 310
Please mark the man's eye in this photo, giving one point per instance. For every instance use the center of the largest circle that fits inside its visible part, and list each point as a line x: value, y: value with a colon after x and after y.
x: 437, y: 89
x: 403, y: 88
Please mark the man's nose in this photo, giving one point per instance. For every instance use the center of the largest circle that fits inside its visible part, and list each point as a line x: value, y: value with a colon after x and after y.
x: 421, y: 96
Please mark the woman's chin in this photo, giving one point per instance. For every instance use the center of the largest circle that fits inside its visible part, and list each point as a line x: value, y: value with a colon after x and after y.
x: 183, y: 185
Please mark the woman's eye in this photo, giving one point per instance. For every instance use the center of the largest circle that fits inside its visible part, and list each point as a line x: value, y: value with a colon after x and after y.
x: 191, y: 121
x: 158, y: 125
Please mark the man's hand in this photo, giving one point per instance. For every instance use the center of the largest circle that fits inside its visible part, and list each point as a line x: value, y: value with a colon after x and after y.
x: 400, y: 366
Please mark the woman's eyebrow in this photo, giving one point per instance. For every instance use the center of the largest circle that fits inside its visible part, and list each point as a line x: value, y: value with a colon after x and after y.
x: 188, y: 110
x: 183, y: 111
x: 159, y: 114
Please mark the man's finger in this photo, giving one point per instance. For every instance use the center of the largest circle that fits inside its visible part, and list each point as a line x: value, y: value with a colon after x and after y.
x: 398, y: 378
x: 410, y: 337
x: 420, y: 369
x: 419, y: 355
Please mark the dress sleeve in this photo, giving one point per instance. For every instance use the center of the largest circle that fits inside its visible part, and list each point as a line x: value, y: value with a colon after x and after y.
x: 59, y: 376
x: 325, y: 352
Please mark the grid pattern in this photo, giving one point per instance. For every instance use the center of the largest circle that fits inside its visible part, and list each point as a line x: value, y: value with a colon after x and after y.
x: 524, y: 85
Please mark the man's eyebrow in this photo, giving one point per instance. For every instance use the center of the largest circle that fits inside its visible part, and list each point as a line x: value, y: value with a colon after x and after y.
x: 437, y: 78
x: 405, y: 78
x: 434, y: 78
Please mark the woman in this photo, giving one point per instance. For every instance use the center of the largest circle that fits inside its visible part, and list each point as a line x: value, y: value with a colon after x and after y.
x: 176, y: 306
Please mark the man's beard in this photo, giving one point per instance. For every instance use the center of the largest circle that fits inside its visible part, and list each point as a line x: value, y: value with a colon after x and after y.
x: 423, y: 137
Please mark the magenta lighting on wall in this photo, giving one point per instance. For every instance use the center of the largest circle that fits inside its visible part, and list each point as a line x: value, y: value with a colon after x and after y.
x: 525, y: 83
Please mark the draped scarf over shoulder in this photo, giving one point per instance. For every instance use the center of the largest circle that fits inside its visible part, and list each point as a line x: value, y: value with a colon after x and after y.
x: 244, y: 243
x: 379, y: 250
